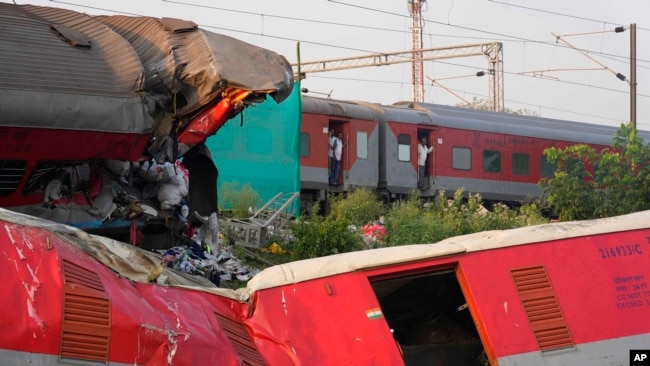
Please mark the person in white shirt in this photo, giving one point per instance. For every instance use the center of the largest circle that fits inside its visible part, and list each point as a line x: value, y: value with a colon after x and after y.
x: 336, y: 147
x: 330, y: 154
x: 423, y: 151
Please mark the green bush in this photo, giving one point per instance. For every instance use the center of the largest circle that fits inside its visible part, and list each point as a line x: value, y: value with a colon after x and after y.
x: 358, y: 208
x: 410, y: 221
x: 238, y: 199
x: 317, y: 236
x: 407, y: 223
x: 415, y: 222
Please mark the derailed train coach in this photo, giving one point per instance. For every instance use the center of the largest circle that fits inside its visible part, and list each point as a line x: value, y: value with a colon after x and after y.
x: 497, y: 155
x: 572, y: 293
x: 98, y: 113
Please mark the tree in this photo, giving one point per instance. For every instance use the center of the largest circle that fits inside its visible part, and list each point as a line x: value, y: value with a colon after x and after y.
x: 591, y: 184
x: 485, y: 105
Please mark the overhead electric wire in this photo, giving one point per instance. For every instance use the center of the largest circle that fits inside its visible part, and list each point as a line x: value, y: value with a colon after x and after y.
x: 616, y: 57
x: 349, y: 48
x: 562, y: 14
x: 96, y: 8
x: 322, y: 21
x: 509, y: 37
x: 474, y: 94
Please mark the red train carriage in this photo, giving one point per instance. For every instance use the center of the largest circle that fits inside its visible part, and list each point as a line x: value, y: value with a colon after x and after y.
x: 574, y: 293
x: 497, y: 155
x: 361, y: 136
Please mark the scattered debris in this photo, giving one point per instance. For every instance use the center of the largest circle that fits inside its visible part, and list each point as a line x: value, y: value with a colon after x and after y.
x: 196, y: 260
x: 373, y: 233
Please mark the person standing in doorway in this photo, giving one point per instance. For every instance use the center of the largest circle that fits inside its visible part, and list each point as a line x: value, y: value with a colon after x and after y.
x: 336, y: 144
x: 330, y: 155
x: 423, y: 152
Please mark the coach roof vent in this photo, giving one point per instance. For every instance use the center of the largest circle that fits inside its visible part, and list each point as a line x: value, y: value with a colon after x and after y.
x: 178, y: 25
x: 71, y: 36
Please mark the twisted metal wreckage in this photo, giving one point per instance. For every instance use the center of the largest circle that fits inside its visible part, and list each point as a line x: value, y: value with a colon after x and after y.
x: 97, y: 111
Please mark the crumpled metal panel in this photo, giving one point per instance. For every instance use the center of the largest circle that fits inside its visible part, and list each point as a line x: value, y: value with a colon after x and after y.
x: 187, y: 67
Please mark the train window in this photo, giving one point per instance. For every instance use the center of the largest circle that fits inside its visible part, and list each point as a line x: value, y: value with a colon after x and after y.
x: 547, y: 168
x: 362, y: 145
x: 68, y: 172
x: 404, y: 148
x: 11, y: 173
x: 520, y: 164
x: 304, y: 144
x: 491, y: 161
x: 461, y: 158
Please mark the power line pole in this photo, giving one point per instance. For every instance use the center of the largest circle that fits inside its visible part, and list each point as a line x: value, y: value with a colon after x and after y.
x: 417, y: 66
x: 632, y: 80
x: 633, y: 74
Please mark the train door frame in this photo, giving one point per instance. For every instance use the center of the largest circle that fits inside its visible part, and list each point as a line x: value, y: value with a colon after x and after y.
x: 429, y: 167
x: 339, y: 126
x: 423, y: 305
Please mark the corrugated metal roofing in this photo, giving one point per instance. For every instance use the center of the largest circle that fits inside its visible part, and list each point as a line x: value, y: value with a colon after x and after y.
x: 36, y: 58
x: 45, y: 81
x: 119, y: 73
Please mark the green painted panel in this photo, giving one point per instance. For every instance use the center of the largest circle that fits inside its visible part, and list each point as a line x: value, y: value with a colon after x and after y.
x: 261, y: 148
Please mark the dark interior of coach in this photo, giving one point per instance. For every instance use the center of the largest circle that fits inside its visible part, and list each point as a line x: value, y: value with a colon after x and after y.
x: 430, y: 320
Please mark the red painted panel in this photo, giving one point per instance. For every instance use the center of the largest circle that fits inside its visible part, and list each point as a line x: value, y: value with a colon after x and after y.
x: 150, y: 324
x: 315, y: 126
x: 479, y: 141
x: 601, y: 282
x: 324, y: 322
x: 32, y: 289
x: 206, y: 123
x: 36, y: 144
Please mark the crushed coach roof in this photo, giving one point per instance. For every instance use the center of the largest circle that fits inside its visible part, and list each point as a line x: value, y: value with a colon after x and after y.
x: 118, y: 73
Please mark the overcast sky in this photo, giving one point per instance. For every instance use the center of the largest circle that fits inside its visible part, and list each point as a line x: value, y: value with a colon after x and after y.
x: 576, y: 87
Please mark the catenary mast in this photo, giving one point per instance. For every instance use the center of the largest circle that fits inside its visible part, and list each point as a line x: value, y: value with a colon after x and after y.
x: 417, y: 69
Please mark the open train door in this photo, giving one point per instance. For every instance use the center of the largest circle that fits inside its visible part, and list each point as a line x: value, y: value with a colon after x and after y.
x: 430, y: 317
x: 426, y: 146
x: 338, y: 174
